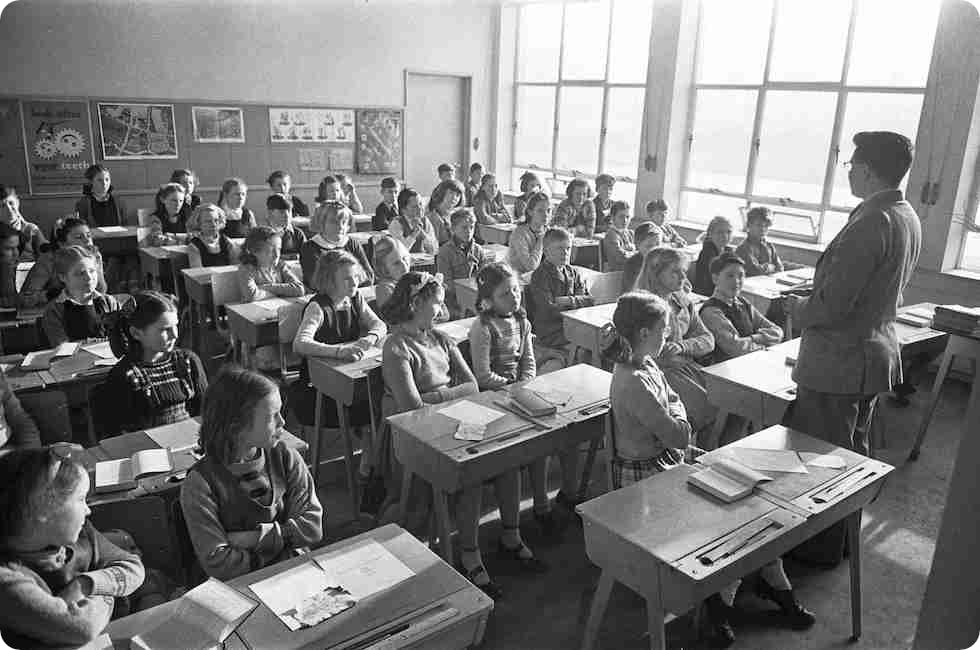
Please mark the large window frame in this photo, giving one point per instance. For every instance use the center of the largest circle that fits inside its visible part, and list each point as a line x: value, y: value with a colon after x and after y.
x: 833, y: 162
x: 549, y: 171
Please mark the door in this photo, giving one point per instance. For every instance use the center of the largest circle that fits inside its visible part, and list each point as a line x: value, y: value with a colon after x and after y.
x: 436, y: 126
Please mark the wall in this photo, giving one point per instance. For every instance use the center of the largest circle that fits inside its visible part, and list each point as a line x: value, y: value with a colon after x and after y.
x: 329, y: 52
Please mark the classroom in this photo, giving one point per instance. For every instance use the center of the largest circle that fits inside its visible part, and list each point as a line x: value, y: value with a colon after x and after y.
x: 510, y: 324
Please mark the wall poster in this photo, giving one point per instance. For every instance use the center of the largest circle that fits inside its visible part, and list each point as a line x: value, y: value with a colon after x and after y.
x: 137, y: 131
x: 58, y: 144
x: 379, y: 141
x: 305, y: 125
x: 217, y: 124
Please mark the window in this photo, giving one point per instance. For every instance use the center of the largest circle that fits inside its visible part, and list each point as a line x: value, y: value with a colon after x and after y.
x: 780, y: 88
x: 581, y: 74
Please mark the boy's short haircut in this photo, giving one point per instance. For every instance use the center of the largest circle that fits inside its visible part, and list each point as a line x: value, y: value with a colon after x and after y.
x: 278, y: 202
x: 459, y: 214
x: 724, y: 260
x: 647, y: 229
x: 759, y: 213
x: 475, y: 166
x: 602, y: 180
x: 444, y: 167
x: 619, y: 206
x: 554, y: 235
x: 656, y: 205
x: 389, y: 183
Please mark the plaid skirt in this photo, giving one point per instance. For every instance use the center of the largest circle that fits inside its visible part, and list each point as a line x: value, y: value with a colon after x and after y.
x: 626, y: 472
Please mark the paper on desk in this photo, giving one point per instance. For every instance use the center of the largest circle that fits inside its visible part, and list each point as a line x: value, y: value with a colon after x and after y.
x: 470, y: 432
x: 176, y: 437
x: 272, y: 305
x: 829, y: 461
x: 112, y: 229
x: 105, y: 362
x: 549, y: 393
x: 101, y: 349
x: 67, y: 349
x: 471, y: 413
x: 364, y: 570
x: 770, y: 460
x: 302, y: 596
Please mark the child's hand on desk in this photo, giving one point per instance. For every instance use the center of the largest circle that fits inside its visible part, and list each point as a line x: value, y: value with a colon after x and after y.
x: 350, y: 352
x: 78, y: 589
x: 364, y: 343
x: 244, y: 538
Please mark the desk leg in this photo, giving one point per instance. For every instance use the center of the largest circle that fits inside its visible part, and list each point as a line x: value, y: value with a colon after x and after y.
x: 342, y: 413
x: 445, y: 528
x: 406, y: 493
x: 195, y: 325
x: 598, y: 609
x: 854, y: 544
x: 315, y: 438
x: 583, y: 486
x: 655, y: 620
x: 937, y: 389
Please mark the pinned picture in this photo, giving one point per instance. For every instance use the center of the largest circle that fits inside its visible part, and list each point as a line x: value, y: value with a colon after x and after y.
x: 218, y: 124
x: 137, y: 131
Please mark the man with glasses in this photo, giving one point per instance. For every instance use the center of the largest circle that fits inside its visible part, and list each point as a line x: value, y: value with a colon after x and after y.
x: 849, y: 351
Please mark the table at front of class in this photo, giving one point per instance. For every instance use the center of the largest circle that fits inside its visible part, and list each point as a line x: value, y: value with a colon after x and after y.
x: 115, y: 240
x: 425, y: 444
x: 759, y: 386
x: 434, y: 608
x: 346, y: 382
x: 635, y: 536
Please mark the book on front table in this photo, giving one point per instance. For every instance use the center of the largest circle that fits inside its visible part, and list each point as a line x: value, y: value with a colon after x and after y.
x: 727, y: 479
x: 204, y: 617
x: 115, y: 475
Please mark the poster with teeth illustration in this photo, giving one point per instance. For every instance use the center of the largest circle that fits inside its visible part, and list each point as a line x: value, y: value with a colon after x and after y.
x: 58, y: 145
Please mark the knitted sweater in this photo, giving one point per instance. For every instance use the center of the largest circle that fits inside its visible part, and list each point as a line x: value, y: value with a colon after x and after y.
x: 551, y: 291
x: 17, y: 428
x: 650, y: 417
x: 617, y: 246
x: 33, y: 615
x: 43, y: 284
x: 501, y: 350
x: 61, y: 321
x: 311, y: 251
x: 261, y: 283
x: 115, y: 206
x: 526, y: 247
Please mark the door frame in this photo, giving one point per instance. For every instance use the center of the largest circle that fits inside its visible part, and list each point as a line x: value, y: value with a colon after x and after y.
x: 468, y: 107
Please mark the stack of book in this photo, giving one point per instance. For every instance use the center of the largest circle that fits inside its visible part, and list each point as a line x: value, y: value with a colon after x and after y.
x: 958, y: 319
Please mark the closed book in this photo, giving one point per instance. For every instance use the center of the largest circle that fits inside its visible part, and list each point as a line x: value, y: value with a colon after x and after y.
x: 727, y: 479
x: 532, y: 403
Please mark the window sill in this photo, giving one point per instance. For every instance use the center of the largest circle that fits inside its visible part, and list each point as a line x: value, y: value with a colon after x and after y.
x: 963, y: 273
x: 781, y: 242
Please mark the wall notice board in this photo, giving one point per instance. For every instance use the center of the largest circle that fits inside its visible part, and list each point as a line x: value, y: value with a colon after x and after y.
x: 147, y: 139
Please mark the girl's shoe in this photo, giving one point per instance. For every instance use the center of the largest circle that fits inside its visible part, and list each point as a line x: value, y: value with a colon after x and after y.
x: 490, y: 588
x: 527, y: 564
x: 722, y: 634
x: 796, y: 615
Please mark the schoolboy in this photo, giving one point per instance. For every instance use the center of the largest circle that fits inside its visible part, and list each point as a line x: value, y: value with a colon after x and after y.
x: 460, y: 257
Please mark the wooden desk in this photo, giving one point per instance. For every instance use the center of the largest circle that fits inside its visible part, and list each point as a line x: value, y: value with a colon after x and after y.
x: 423, y: 262
x: 435, y: 585
x: 762, y: 290
x: 496, y: 233
x: 583, y: 325
x: 496, y: 252
x: 115, y: 242
x: 346, y: 383
x: 466, y: 288
x: 636, y: 537
x: 759, y: 386
x: 424, y: 439
x: 197, y: 284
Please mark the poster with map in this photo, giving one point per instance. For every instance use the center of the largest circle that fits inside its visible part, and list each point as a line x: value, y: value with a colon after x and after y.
x: 379, y: 141
x: 137, y: 131
x: 308, y: 125
x: 58, y: 142
x: 216, y: 124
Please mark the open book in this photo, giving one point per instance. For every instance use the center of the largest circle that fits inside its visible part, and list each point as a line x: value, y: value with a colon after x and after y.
x: 204, y: 617
x: 727, y: 479
x: 115, y: 475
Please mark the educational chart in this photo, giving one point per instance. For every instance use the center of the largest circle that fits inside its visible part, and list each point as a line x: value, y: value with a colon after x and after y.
x: 137, y: 131
x: 218, y: 124
x: 58, y: 143
x: 379, y: 141
x: 309, y: 125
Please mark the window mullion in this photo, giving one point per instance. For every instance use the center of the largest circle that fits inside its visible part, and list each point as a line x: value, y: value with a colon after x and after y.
x: 692, y: 101
x: 561, y: 55
x: 760, y: 105
x: 605, y: 94
x: 517, y: 90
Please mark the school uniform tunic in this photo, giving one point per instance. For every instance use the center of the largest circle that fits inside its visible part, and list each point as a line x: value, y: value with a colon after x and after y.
x: 240, y: 226
x: 211, y: 258
x: 733, y: 324
x: 66, y: 320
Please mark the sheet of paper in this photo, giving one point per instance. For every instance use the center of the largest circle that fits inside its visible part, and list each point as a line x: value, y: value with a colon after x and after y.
x: 216, y: 606
x: 922, y: 312
x: 553, y: 396
x: 178, y: 437
x: 830, y: 461
x: 470, y: 432
x: 770, y: 460
x: 40, y: 360
x: 365, y: 569
x: 67, y: 349
x: 272, y: 306
x: 289, y: 592
x: 112, y: 229
x: 101, y: 349
x: 105, y: 362
x: 471, y: 413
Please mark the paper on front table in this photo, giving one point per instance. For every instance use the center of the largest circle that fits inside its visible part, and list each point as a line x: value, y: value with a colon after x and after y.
x: 471, y: 413
x: 284, y: 592
x: 365, y: 569
x: 830, y: 461
x: 101, y: 349
x: 113, y: 229
x: 67, y: 349
x: 770, y: 460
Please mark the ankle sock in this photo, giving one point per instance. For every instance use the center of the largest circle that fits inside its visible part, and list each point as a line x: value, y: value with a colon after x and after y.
x: 511, y: 539
x: 471, y: 559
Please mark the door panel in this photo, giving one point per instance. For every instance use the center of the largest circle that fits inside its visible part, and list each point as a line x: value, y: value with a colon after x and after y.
x: 435, y: 127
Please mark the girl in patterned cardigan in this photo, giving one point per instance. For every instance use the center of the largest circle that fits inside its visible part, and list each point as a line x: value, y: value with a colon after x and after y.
x: 155, y: 382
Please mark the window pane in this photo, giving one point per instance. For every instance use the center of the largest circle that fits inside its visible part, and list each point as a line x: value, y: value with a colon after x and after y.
x: 579, y: 120
x: 790, y: 221
x: 535, y: 125
x: 630, y: 51
x: 810, y: 40
x: 795, y: 141
x: 873, y: 112
x: 586, y: 37
x: 623, y: 191
x: 833, y: 222
x: 722, y: 137
x: 733, y: 40
x: 971, y: 252
x: 624, y: 122
x: 877, y: 59
x: 700, y: 208
x: 540, y: 39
